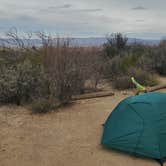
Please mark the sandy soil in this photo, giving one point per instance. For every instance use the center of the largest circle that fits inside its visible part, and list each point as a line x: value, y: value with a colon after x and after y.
x: 70, y: 137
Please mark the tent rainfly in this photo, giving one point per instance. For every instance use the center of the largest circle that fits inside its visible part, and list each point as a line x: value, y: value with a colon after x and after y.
x: 138, y: 126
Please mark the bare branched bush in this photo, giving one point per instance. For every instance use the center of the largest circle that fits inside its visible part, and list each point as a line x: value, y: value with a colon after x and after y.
x: 67, y: 68
x: 115, y: 45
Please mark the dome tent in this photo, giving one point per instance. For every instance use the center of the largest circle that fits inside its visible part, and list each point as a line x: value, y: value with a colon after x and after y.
x: 138, y: 126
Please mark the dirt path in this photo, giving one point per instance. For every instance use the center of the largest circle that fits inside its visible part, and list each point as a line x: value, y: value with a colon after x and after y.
x: 67, y: 138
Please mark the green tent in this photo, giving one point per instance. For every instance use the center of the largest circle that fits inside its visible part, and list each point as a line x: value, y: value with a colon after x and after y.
x: 138, y: 126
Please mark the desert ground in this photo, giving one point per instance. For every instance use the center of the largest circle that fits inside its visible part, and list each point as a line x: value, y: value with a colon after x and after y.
x: 69, y: 137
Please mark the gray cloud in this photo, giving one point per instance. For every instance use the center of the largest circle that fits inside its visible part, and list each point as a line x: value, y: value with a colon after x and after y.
x: 85, y: 18
x: 65, y: 6
x: 26, y: 18
x: 140, y: 20
x: 88, y: 10
x: 139, y: 8
x: 69, y: 8
x: 55, y: 8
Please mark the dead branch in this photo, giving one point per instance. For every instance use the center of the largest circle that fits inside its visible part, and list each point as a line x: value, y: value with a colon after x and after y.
x: 152, y: 89
x: 92, y: 95
x: 158, y: 87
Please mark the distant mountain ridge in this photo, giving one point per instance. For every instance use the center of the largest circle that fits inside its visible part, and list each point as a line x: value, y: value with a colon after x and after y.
x: 101, y: 41
x: 83, y: 42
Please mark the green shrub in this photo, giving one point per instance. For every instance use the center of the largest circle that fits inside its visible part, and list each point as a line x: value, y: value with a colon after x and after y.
x: 129, y: 60
x: 120, y: 65
x: 19, y: 83
x: 143, y: 77
x: 155, y: 59
x: 44, y: 105
x: 114, y: 67
x: 8, y: 85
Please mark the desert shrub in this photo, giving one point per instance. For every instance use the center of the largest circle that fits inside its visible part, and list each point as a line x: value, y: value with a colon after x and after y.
x: 8, y: 85
x: 142, y: 76
x: 64, y: 71
x: 18, y: 83
x: 115, y: 45
x: 68, y: 68
x: 155, y: 59
x: 55, y: 70
x: 158, y: 61
x: 129, y: 60
x: 120, y: 65
x: 44, y: 105
x: 94, y: 66
x: 122, y: 82
x: 114, y: 67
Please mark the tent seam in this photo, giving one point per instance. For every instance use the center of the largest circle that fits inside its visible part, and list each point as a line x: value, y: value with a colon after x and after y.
x: 141, y: 132
x: 159, y: 139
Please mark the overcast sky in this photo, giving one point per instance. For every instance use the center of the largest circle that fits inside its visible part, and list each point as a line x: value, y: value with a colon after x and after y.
x: 86, y: 18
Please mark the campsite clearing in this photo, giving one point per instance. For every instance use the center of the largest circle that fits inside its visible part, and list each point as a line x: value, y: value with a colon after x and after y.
x: 69, y: 137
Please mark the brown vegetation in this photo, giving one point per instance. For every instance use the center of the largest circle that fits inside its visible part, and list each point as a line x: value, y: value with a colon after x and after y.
x: 56, y: 71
